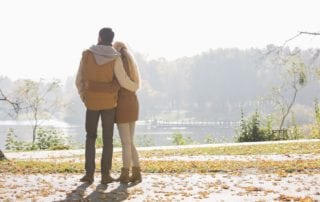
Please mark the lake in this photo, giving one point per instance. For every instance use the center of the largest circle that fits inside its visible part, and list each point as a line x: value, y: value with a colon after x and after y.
x: 148, y: 133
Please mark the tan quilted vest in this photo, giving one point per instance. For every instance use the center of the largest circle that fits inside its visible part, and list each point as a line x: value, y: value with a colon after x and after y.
x: 98, y: 73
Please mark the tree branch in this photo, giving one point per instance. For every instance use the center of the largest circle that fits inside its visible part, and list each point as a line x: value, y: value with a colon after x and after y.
x: 280, y: 48
x: 289, y: 107
x: 15, y: 105
x: 287, y: 41
x: 310, y: 33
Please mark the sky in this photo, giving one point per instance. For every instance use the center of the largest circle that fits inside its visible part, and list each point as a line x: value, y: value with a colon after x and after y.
x: 45, y: 39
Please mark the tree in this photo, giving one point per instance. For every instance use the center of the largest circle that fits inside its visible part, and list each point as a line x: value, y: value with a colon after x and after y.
x: 38, y: 101
x: 293, y: 80
x: 15, y: 106
x: 293, y: 70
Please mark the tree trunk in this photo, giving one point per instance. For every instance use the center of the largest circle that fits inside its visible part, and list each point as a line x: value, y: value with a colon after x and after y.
x: 2, y: 156
x: 289, y: 108
x: 34, y: 133
x: 35, y: 126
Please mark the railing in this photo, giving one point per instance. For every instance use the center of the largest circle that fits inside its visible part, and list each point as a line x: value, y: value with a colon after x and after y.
x: 280, y: 134
x: 190, y: 124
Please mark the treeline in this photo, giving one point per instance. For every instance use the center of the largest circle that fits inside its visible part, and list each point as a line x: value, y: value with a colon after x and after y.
x: 214, y: 85
x: 218, y: 84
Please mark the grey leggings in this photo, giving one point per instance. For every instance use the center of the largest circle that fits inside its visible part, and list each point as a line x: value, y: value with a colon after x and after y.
x: 129, y: 152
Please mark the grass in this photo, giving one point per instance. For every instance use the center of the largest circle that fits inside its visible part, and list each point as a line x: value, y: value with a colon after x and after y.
x: 163, y: 166
x: 283, y: 148
x: 40, y: 167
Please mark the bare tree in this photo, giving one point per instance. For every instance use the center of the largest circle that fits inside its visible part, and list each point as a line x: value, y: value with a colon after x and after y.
x: 294, y: 73
x: 15, y: 106
x: 293, y: 80
x: 39, y: 101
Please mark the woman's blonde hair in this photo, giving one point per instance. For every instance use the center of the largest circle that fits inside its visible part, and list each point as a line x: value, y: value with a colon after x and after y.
x: 133, y: 68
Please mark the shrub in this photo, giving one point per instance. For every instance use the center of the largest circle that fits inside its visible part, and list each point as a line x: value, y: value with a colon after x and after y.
x: 250, y: 130
x: 13, y: 143
x: 11, y: 140
x: 144, y: 141
x: 316, y: 128
x: 178, y: 139
x: 47, y: 139
x: 50, y: 138
x: 294, y: 131
x: 209, y: 139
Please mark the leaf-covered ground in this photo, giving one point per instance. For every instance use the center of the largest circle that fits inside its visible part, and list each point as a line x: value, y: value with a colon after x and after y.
x: 163, y: 187
x: 284, y: 171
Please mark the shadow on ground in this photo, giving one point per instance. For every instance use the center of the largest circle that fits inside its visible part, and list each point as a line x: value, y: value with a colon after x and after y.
x: 101, y: 193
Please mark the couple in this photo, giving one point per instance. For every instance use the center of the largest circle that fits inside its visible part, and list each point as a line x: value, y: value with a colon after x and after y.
x: 102, y: 69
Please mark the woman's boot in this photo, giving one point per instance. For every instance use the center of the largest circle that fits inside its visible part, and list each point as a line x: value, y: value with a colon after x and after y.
x: 136, y: 175
x: 124, y: 176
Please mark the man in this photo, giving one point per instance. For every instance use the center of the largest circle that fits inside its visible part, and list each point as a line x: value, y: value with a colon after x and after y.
x: 101, y: 64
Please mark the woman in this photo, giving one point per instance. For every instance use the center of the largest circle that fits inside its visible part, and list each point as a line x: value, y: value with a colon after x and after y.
x: 127, y: 112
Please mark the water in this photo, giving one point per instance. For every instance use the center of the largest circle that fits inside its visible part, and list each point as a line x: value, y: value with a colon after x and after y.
x: 148, y: 133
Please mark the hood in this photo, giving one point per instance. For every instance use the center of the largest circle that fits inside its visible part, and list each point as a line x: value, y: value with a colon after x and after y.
x: 103, y: 54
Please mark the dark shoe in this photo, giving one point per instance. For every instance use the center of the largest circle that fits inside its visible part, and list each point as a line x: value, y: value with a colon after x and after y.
x: 124, y: 176
x: 87, y: 178
x: 106, y: 179
x: 136, y: 175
